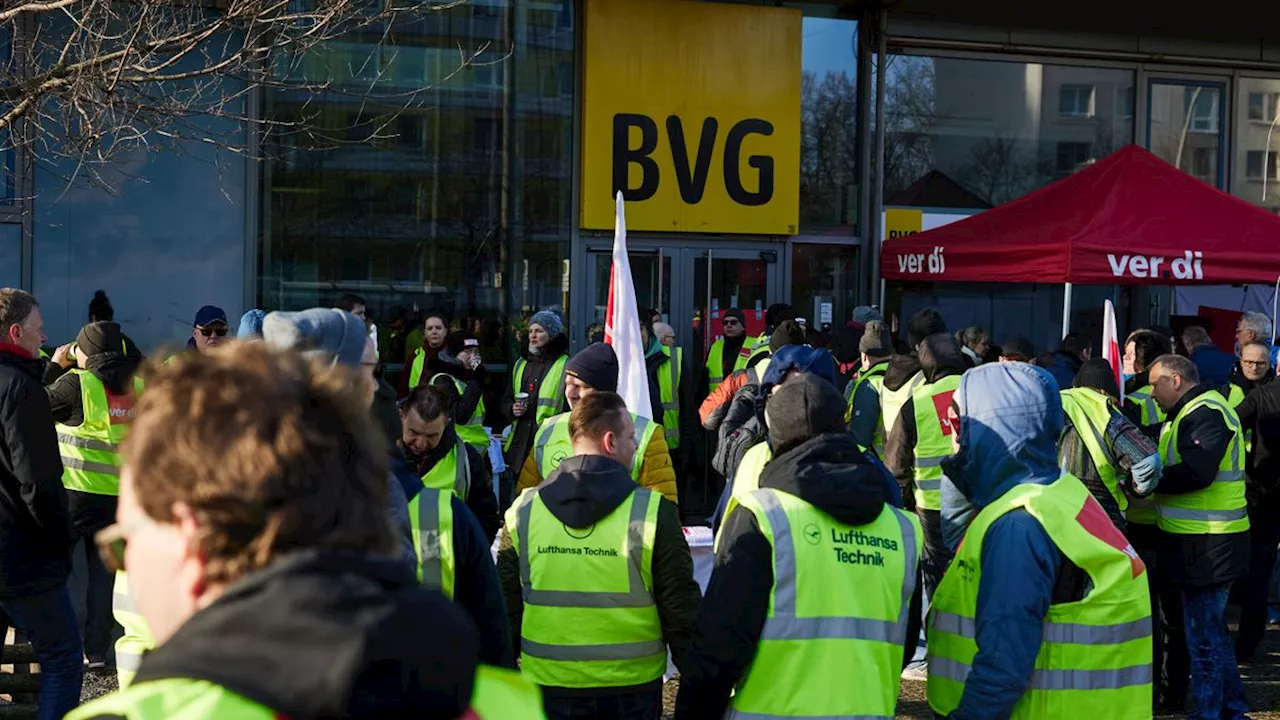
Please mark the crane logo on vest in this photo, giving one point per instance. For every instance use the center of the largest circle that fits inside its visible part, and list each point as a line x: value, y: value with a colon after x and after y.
x: 120, y: 408
x: 942, y: 404
x: 812, y: 534
x: 579, y: 533
x: 935, y: 263
x: 1095, y: 522
x: 558, y: 457
x: 1187, y: 267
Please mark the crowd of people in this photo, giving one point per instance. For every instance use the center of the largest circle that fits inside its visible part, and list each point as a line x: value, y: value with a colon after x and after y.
x: 281, y: 532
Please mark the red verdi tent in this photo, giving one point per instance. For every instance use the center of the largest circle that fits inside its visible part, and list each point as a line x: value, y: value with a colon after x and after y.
x: 1129, y: 219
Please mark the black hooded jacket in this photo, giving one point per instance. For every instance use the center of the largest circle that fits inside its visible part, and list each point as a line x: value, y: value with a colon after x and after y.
x: 328, y: 635
x: 114, y: 369
x: 939, y: 357
x: 524, y: 428
x: 828, y: 472
x: 582, y: 492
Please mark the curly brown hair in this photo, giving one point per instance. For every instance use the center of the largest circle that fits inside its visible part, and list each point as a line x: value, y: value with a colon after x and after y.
x: 273, y: 454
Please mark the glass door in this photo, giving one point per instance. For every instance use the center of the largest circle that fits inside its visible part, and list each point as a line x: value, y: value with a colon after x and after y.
x: 729, y: 279
x: 650, y: 272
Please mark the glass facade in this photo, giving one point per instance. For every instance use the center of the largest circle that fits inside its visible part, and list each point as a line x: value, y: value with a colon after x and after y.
x: 997, y: 130
x: 1257, y: 155
x: 461, y: 202
x: 1185, y: 127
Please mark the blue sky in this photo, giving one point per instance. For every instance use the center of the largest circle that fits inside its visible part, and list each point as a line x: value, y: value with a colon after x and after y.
x: 828, y: 46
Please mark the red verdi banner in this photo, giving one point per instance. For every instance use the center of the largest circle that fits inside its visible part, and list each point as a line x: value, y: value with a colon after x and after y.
x: 1129, y: 219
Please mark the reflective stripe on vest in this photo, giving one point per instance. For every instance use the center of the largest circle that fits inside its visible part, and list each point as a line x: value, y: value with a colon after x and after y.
x: 550, y: 400
x: 1095, y: 654
x: 431, y: 521
x: 173, y: 699
x: 590, y: 618
x: 502, y: 694
x: 715, y: 363
x: 891, y: 401
x: 933, y: 439
x: 1090, y: 413
x: 136, y: 639
x: 832, y: 644
x: 760, y: 347
x: 669, y: 389
x: 1218, y: 509
x: 471, y: 429
x: 1150, y: 412
x: 90, y: 451
x: 553, y: 444
x: 452, y: 472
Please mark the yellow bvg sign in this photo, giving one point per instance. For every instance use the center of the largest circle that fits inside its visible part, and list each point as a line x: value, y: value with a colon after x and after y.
x: 692, y: 110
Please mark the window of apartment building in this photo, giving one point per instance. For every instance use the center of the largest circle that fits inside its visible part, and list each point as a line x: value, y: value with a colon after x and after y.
x: 1262, y: 106
x: 1257, y: 162
x: 1255, y: 174
x: 1184, y: 127
x: 991, y: 131
x: 1072, y: 156
x: 1201, y: 105
x: 1076, y: 101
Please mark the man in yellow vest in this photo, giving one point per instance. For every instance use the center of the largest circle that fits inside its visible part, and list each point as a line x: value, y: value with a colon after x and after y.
x: 1045, y: 612
x: 728, y: 353
x: 667, y: 378
x: 1253, y: 370
x: 1204, y: 526
x: 598, y: 576
x: 592, y: 370
x: 863, y: 409
x: 814, y: 596
x: 437, y: 454
x: 453, y: 548
x: 921, y: 440
x: 1101, y: 447
x: 92, y: 402
x: 233, y: 564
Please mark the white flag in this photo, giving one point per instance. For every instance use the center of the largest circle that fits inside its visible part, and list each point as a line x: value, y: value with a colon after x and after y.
x: 1111, y: 346
x: 622, y: 325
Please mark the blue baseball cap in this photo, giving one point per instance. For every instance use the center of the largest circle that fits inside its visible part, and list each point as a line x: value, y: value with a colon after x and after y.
x: 210, y: 314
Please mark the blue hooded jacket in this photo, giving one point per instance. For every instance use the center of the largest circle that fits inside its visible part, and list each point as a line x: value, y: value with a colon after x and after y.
x: 1010, y: 418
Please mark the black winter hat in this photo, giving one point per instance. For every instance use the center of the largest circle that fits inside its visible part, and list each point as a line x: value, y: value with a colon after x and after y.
x: 788, y: 332
x: 778, y: 312
x: 804, y: 407
x: 1098, y: 374
x: 460, y: 340
x: 923, y: 324
x: 1018, y: 346
x: 100, y: 337
x: 736, y: 313
x: 597, y: 366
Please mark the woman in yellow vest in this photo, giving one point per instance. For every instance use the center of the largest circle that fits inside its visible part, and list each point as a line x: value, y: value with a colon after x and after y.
x: 819, y: 574
x: 267, y: 583
x: 536, y: 393
x: 92, y: 402
x: 1045, y: 611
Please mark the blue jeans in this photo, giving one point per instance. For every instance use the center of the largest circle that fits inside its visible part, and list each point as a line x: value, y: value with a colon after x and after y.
x: 1216, y: 690
x: 55, y: 636
x: 645, y: 704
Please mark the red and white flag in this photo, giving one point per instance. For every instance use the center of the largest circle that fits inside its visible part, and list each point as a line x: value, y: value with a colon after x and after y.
x: 622, y: 325
x: 1111, y: 346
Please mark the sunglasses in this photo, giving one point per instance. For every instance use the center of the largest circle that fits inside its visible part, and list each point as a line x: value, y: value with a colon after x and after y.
x: 209, y: 331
